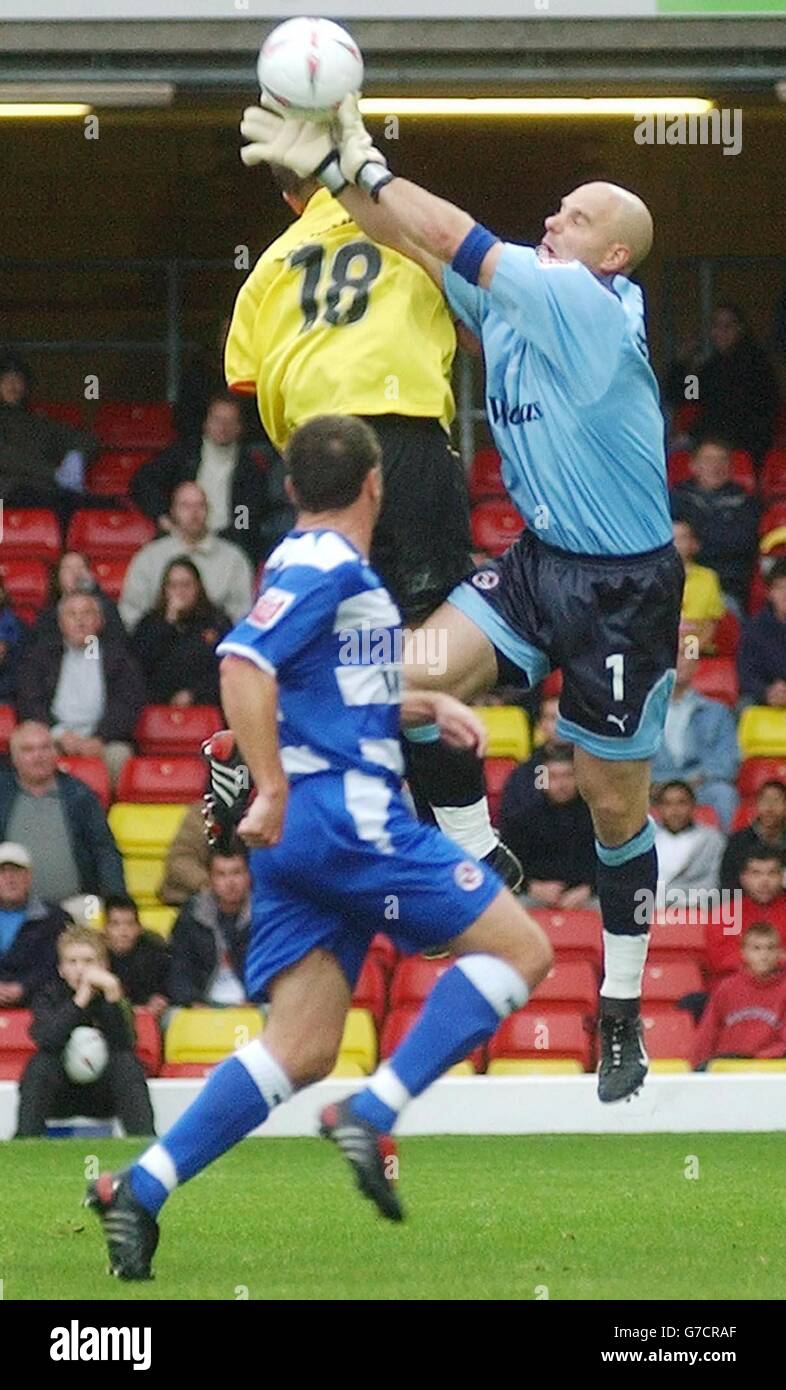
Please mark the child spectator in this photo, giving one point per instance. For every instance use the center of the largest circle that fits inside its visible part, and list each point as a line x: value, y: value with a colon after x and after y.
x: 138, y: 958
x: 85, y: 994
x: 745, y: 1015
x: 762, y: 900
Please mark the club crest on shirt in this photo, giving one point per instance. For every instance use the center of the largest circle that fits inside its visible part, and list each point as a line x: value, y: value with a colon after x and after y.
x: 468, y: 875
x: 485, y: 579
x: 269, y: 607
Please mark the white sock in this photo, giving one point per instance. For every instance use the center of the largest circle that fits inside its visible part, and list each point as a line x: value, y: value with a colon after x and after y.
x: 624, y: 958
x: 469, y: 826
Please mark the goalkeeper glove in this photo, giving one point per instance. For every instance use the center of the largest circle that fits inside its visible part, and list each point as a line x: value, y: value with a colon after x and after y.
x: 361, y: 162
x: 300, y: 145
x: 227, y: 793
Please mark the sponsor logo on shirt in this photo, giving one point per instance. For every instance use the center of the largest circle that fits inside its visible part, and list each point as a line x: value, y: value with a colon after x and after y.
x: 468, y: 875
x: 269, y: 607
x: 524, y: 414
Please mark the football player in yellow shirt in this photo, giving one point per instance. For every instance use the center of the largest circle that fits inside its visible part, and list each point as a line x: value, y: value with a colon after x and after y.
x: 330, y: 322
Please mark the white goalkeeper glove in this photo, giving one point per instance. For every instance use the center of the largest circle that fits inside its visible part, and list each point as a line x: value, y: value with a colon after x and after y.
x: 361, y: 162
x: 298, y: 144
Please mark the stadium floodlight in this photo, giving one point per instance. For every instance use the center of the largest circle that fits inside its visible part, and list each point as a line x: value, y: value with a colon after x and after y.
x: 43, y: 110
x: 31, y: 98
x: 535, y: 106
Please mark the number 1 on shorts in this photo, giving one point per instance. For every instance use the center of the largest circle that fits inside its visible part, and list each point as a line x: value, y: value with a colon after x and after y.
x: 616, y: 664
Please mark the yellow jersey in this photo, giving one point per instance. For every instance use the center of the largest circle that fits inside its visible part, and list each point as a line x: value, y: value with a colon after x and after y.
x: 330, y: 322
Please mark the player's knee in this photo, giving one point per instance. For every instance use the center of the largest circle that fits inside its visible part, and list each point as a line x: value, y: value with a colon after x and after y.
x: 314, y: 1061
x: 529, y: 950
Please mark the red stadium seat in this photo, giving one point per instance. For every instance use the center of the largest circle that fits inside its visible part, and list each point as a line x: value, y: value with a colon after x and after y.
x: 756, y: 771
x: 16, y: 1045
x: 676, y: 932
x: 570, y: 982
x: 110, y: 575
x: 415, y: 978
x: 66, y: 412
x: 495, y: 526
x: 383, y: 951
x: 727, y: 634
x: 551, y: 1030
x: 716, y: 677
x: 30, y: 533
x: 686, y: 416
x: 166, y: 730
x: 398, y: 1024
x: 106, y: 535
x: 497, y: 772
x: 669, y: 980
x: 161, y: 779
x: 744, y: 814
x: 93, y: 772
x: 111, y: 474
x: 7, y: 725
x: 149, y: 1047
x: 134, y: 425
x: 742, y: 469
x: 679, y: 466
x: 773, y: 517
x: 370, y: 992
x: 668, y: 1032
x: 552, y: 685
x: 773, y: 477
x: 573, y: 932
x: 27, y: 585
x: 185, y: 1069
x: 485, y: 478
x: 707, y: 815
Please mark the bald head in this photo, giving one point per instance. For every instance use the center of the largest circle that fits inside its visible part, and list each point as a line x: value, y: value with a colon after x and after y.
x: 606, y: 227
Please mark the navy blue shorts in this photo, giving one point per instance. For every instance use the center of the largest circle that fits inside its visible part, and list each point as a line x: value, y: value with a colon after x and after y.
x: 610, y: 622
x: 353, y: 862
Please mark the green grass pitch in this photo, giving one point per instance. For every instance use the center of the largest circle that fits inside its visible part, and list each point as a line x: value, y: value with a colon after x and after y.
x: 568, y: 1217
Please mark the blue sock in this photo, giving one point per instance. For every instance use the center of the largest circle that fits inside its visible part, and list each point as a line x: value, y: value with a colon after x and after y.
x: 236, y: 1097
x: 627, y: 878
x: 463, y: 1009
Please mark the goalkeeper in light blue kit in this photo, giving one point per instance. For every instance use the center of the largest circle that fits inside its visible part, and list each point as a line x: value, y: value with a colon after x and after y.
x: 594, y: 585
x: 317, y: 715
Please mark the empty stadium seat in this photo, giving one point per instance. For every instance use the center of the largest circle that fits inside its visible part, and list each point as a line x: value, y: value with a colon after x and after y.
x: 164, y: 730
x: 134, y: 424
x: 497, y: 772
x: 772, y: 518
x: 495, y: 525
x: 529, y: 1066
x: 106, y: 535
x: 414, y: 979
x: 111, y: 474
x: 93, y: 772
x: 744, y: 814
x: 66, y: 412
x: 111, y: 573
x: 16, y: 1045
x: 746, y: 1064
x: 26, y: 583
x: 686, y: 415
x: 743, y: 472
x: 345, y: 1068
x: 716, y: 677
x: 543, y: 1031
x: 371, y: 991
x: 143, y: 877
x: 485, y: 477
x: 209, y: 1035
x: 773, y: 476
x: 161, y: 779
x: 507, y: 729
x: 158, y: 919
x: 678, y: 468
x: 359, y: 1043
x: 398, y: 1024
x: 148, y: 1041
x: 756, y: 771
x: 727, y: 634
x: 145, y: 831
x: 7, y: 725
x: 675, y: 933
x: 384, y: 951
x: 669, y: 1066
x: 669, y: 980
x: 761, y: 732
x: 183, y: 1070
x: 573, y: 932
x: 570, y: 981
x: 706, y: 815
x: 668, y: 1032
x: 30, y: 533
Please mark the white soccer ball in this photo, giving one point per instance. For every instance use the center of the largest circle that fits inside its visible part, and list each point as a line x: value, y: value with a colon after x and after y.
x: 85, y: 1056
x: 307, y: 67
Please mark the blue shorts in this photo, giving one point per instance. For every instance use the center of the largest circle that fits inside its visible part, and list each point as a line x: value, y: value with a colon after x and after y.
x: 353, y: 862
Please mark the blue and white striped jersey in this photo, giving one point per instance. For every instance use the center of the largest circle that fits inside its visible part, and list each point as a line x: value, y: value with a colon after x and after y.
x: 327, y: 628
x: 572, y: 401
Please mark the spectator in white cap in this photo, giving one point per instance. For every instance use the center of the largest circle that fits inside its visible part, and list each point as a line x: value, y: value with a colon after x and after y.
x: 29, y: 928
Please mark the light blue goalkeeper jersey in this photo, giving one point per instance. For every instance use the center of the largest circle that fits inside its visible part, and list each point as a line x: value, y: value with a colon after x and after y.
x: 572, y: 401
